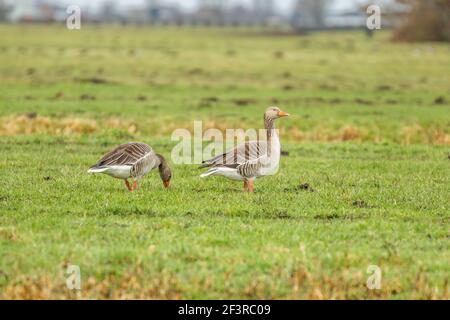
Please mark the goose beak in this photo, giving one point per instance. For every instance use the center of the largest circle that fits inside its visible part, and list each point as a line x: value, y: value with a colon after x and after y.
x: 282, y: 114
x: 166, y: 184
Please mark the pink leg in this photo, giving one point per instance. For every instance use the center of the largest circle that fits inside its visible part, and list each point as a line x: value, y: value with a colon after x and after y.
x: 134, y: 185
x: 128, y: 185
x: 250, y: 186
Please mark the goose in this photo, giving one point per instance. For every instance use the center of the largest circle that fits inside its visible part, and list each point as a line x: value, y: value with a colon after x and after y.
x: 132, y: 160
x: 250, y: 160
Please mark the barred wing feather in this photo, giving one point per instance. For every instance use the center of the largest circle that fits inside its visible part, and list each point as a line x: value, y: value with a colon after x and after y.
x: 249, y: 151
x: 126, y: 154
x: 252, y: 168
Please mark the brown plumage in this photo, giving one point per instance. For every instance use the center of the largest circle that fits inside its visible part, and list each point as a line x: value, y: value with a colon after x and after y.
x: 132, y: 160
x: 125, y: 154
x: 251, y: 159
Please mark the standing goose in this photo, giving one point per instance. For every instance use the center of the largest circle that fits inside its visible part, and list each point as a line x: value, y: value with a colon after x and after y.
x: 252, y: 159
x: 132, y: 160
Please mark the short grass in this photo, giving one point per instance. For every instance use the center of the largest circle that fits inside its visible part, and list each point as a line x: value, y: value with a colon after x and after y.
x: 365, y: 181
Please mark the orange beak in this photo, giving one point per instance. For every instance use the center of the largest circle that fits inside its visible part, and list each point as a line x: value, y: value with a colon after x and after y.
x: 166, y: 183
x: 282, y: 114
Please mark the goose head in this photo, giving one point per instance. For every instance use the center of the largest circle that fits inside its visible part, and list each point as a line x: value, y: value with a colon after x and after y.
x: 273, y: 113
x: 164, y: 171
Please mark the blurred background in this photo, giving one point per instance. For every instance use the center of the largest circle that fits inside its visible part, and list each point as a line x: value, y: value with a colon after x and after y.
x: 206, y: 59
x: 364, y: 177
x: 425, y: 20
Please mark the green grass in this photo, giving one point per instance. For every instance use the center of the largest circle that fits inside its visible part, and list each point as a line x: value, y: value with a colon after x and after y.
x: 369, y: 132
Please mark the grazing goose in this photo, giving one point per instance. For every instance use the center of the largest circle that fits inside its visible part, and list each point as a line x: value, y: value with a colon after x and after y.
x: 252, y: 159
x: 132, y: 160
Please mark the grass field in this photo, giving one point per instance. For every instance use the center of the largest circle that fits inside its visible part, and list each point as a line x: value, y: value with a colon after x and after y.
x: 369, y: 133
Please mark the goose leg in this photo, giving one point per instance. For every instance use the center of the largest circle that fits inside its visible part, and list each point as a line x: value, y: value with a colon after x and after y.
x: 134, y: 185
x: 128, y: 185
x: 245, y: 186
x: 250, y: 186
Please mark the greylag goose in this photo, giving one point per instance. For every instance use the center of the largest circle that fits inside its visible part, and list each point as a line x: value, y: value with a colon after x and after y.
x: 132, y: 160
x: 252, y: 159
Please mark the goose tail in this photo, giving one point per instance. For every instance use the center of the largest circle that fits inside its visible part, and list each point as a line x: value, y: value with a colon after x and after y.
x: 208, y: 173
x: 95, y: 169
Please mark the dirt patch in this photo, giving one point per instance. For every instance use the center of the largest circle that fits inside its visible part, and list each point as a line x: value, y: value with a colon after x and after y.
x: 305, y: 187
x: 207, y: 102
x: 57, y: 95
x: 384, y: 88
x: 363, y: 101
x: 328, y: 87
x: 230, y: 53
x: 31, y: 115
x: 244, y: 102
x: 211, y: 99
x: 283, y: 215
x: 332, y: 216
x: 335, y: 101
x: 278, y: 54
x: 301, y: 187
x: 87, y: 96
x: 316, y: 99
x: 275, y: 100
x: 195, y: 71
x: 440, y: 101
x: 93, y: 80
x: 360, y: 204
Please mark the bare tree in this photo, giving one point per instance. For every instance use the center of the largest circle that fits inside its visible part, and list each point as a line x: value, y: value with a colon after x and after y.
x: 211, y: 12
x: 4, y: 10
x: 109, y: 12
x: 310, y: 14
x: 263, y: 10
x: 426, y: 20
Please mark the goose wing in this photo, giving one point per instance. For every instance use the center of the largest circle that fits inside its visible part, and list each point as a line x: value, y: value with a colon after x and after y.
x: 126, y: 154
x: 249, y: 151
x: 251, y: 168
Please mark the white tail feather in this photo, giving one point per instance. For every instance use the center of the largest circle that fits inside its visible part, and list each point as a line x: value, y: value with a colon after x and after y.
x: 97, y: 170
x: 208, y: 173
x: 230, y: 173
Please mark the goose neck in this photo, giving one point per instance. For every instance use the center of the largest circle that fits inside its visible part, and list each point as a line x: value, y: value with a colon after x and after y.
x: 271, y: 133
x: 269, y: 127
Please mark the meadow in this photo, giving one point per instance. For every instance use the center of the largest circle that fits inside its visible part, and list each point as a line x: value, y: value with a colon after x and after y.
x: 364, y: 177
